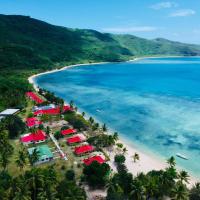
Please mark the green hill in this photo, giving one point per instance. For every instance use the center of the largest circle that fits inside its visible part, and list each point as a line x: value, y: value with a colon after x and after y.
x: 30, y: 46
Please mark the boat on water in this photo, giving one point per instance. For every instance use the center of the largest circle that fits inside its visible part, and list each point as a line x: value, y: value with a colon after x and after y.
x: 98, y: 110
x: 181, y: 156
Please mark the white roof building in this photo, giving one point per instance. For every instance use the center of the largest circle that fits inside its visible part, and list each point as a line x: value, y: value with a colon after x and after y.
x: 9, y: 111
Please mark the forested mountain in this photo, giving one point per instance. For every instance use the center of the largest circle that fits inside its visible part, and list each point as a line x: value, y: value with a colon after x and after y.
x: 29, y: 46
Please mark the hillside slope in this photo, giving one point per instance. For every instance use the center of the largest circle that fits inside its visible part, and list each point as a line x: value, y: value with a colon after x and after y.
x: 30, y: 46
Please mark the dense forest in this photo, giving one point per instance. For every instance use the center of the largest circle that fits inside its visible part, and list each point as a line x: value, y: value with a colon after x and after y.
x: 30, y: 46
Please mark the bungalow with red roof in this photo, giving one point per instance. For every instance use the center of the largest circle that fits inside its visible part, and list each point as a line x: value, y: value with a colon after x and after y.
x: 37, y: 137
x: 32, y: 121
x: 52, y: 111
x: 34, y: 97
x: 68, y: 131
x: 83, y: 149
x: 76, y: 139
x: 98, y: 158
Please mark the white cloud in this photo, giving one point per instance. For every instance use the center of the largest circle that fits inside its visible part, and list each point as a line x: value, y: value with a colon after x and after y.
x: 166, y: 4
x: 183, y: 13
x: 130, y: 29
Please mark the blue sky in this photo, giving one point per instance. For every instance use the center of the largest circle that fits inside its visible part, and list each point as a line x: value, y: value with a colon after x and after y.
x: 176, y: 20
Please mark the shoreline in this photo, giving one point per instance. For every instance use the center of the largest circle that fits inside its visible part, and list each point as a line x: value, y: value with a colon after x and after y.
x: 148, y: 161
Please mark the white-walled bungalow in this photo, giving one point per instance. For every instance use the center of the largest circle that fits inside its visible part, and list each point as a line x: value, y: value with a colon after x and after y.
x: 34, y: 138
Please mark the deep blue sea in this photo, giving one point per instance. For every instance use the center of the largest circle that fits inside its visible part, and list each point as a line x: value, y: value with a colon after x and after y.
x: 154, y: 103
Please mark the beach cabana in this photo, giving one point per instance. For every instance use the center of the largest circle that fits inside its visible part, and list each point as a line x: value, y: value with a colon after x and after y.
x: 98, y: 158
x: 83, y: 149
x: 37, y: 137
x: 34, y: 97
x: 32, y: 121
x: 44, y: 152
x: 68, y: 131
x: 52, y: 111
x: 76, y: 139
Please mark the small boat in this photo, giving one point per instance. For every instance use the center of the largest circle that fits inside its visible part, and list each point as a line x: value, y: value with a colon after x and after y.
x: 98, y: 110
x: 181, y: 156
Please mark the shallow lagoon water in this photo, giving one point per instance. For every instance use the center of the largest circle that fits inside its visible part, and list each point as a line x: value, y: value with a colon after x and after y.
x: 154, y: 103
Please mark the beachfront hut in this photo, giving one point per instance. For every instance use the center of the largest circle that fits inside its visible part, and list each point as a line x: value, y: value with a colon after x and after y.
x: 44, y: 153
x: 76, y: 139
x: 83, y: 149
x: 98, y: 158
x: 33, y: 121
x: 34, y: 138
x: 52, y: 111
x: 68, y: 131
x: 33, y: 96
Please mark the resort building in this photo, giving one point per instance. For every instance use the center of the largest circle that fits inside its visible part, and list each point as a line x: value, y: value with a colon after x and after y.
x: 34, y: 97
x: 52, y: 111
x: 47, y: 107
x: 83, y: 149
x: 76, y: 139
x: 68, y: 131
x: 8, y: 112
x: 33, y: 122
x: 38, y: 137
x: 44, y: 152
x: 98, y: 158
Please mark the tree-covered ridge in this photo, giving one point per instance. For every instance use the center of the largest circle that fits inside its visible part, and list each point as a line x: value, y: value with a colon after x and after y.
x: 29, y: 46
x: 29, y: 43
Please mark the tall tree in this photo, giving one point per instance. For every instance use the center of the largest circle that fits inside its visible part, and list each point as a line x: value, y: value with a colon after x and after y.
x: 6, y: 149
x: 180, y: 192
x: 34, y: 157
x: 171, y: 161
x: 195, y: 192
x: 21, y: 159
x: 183, y: 176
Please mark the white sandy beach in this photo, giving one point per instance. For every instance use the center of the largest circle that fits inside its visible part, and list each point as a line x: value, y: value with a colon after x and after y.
x: 147, y: 161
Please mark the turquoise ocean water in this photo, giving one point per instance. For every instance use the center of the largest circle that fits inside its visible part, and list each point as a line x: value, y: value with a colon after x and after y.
x: 154, y: 103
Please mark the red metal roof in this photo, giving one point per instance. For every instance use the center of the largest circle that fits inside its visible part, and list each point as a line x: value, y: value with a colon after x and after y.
x: 99, y: 159
x: 32, y: 121
x: 74, y: 139
x: 34, y: 97
x: 83, y: 149
x: 52, y: 111
x: 34, y: 137
x: 68, y: 131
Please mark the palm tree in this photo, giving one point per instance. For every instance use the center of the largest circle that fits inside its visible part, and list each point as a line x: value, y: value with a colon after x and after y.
x: 183, y: 176
x: 138, y: 191
x: 71, y: 103
x: 171, y: 161
x: 6, y: 149
x: 116, y: 136
x: 34, y: 157
x: 104, y: 128
x: 21, y: 160
x: 35, y: 180
x: 20, y: 189
x: 136, y: 157
x: 91, y: 120
x: 180, y: 192
x: 83, y: 114
x: 195, y: 192
x: 47, y: 130
x: 125, y: 150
